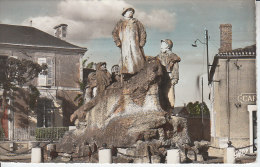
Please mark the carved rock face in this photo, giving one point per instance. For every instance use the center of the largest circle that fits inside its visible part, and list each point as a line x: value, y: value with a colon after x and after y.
x: 124, y: 116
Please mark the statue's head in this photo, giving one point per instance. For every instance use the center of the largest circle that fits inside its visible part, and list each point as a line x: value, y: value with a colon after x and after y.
x: 102, y: 66
x: 166, y: 44
x: 128, y: 12
x: 115, y: 69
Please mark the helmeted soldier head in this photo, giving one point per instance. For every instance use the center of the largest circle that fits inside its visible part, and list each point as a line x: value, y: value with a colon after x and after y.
x: 168, y: 42
x: 128, y: 9
x: 101, y: 66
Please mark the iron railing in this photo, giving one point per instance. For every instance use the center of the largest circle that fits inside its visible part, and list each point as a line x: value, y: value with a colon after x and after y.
x: 36, y: 134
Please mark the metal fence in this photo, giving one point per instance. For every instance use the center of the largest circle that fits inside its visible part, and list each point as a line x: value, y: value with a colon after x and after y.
x: 23, y: 134
x: 36, y: 134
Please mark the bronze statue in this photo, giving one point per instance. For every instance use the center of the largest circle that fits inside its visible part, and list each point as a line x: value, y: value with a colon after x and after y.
x: 129, y: 34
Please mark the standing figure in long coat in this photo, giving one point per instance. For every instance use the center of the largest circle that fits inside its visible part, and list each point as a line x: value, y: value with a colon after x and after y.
x: 129, y: 34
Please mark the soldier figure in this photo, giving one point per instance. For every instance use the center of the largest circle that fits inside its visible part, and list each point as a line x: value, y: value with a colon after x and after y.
x: 103, y: 77
x: 90, y: 88
x: 129, y: 34
x: 170, y: 62
x: 115, y: 73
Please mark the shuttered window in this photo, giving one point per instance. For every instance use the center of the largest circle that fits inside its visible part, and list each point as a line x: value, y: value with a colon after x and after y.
x: 47, y: 80
x: 50, y: 76
x: 42, y: 79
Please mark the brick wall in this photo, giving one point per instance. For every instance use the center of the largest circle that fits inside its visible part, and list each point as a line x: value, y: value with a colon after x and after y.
x: 225, y: 38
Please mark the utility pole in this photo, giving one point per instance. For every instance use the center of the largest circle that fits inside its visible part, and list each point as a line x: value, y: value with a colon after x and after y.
x: 207, y: 44
x: 202, y: 101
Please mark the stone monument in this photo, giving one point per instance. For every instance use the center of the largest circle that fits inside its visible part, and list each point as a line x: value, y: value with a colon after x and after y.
x: 131, y: 118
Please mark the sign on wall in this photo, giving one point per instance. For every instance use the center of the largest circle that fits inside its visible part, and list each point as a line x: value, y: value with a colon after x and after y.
x: 248, y: 98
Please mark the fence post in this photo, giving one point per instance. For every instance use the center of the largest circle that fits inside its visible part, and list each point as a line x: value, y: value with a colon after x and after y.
x: 50, y: 148
x: 229, y: 155
x: 72, y: 127
x: 173, y: 156
x: 36, y: 155
x: 105, y: 156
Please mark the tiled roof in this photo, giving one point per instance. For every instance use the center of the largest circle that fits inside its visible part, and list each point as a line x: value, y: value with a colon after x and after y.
x: 24, y: 35
x: 251, y: 48
x: 246, y: 51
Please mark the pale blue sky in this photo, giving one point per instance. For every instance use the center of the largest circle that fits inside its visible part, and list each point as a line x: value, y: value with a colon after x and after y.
x: 183, y: 21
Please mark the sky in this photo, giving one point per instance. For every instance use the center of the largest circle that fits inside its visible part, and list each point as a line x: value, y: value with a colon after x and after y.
x: 90, y: 23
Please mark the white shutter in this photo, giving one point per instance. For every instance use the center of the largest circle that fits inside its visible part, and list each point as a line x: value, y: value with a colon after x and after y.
x: 50, y: 71
x: 42, y: 79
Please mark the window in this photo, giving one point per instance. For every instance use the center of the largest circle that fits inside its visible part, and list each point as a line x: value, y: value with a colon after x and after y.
x: 45, y: 112
x: 46, y: 80
x: 50, y: 71
x: 42, y: 79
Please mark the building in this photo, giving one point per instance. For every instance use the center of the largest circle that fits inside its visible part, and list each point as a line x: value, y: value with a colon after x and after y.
x: 233, y: 91
x: 58, y: 89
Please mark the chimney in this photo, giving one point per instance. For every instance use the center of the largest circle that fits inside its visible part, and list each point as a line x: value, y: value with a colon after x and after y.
x: 60, y: 31
x: 225, y: 38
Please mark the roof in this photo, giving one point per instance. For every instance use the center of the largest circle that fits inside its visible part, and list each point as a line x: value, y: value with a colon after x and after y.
x: 240, y: 53
x: 251, y: 48
x: 24, y: 35
x: 181, y: 111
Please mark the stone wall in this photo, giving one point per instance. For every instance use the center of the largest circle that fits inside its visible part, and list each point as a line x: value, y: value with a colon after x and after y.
x: 198, y: 131
x: 242, y: 80
x: 225, y: 38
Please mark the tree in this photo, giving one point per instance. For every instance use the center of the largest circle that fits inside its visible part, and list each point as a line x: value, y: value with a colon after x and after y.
x: 16, y: 73
x: 194, y: 109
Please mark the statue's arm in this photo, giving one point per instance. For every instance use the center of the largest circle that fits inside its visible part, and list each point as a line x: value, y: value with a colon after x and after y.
x: 115, y: 34
x: 109, y: 78
x: 175, y: 73
x: 142, y: 34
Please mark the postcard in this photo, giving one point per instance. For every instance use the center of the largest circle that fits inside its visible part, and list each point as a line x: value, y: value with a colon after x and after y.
x: 128, y: 81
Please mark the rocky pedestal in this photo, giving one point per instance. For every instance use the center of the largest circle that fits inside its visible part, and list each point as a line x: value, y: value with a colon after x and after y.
x: 127, y: 117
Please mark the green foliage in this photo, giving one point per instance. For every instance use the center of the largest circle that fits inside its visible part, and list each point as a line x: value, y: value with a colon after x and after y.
x: 43, y: 134
x: 84, y: 61
x: 33, y: 96
x: 18, y: 72
x: 194, y: 109
x: 90, y: 65
x: 80, y: 97
x: 82, y: 85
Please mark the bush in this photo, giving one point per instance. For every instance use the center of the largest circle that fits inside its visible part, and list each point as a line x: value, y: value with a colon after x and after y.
x: 55, y: 133
x: 194, y: 109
